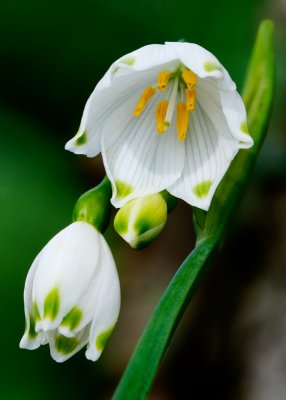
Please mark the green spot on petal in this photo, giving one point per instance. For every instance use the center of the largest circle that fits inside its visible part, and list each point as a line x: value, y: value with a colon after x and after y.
x: 32, y: 333
x: 243, y: 128
x: 36, y: 311
x: 102, y: 339
x: 142, y: 225
x: 123, y: 189
x: 210, y: 66
x: 201, y: 190
x: 72, y: 319
x: 128, y: 61
x: 81, y: 139
x: 65, y: 345
x: 52, y: 304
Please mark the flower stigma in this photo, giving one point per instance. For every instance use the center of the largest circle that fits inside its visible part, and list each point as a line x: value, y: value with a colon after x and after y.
x: 183, y: 83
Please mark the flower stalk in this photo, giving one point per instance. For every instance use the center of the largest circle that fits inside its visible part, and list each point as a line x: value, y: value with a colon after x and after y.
x: 94, y: 206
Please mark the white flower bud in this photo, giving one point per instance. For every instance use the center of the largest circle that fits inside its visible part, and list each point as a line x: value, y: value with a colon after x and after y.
x: 141, y: 220
x: 72, y: 294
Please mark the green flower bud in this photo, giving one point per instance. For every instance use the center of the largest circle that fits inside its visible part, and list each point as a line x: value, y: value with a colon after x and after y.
x: 141, y: 220
x: 94, y: 207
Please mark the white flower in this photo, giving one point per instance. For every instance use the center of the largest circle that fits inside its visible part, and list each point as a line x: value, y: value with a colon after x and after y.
x: 164, y: 117
x: 72, y: 294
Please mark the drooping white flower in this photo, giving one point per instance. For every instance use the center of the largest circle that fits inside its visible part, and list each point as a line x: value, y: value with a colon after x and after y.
x: 72, y: 294
x: 164, y: 117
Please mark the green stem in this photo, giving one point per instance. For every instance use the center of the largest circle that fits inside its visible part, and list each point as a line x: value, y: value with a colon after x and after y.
x: 164, y: 322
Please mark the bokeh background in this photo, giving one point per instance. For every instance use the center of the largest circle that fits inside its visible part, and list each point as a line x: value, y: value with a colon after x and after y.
x: 231, y: 343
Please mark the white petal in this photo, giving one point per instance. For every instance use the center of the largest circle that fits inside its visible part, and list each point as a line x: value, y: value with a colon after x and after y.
x: 136, y: 158
x: 63, y: 348
x: 97, y: 110
x: 145, y: 58
x: 87, y: 139
x: 228, y: 105
x: 66, y: 265
x: 120, y: 81
x: 210, y: 148
x: 107, y: 304
x: 31, y: 339
x: 235, y: 113
x: 202, y: 62
x: 86, y: 304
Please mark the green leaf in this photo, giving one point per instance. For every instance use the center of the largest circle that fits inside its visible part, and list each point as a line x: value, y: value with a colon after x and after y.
x: 211, y: 228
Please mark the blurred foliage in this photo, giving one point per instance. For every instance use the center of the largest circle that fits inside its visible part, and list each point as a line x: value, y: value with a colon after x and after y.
x: 52, y: 55
x: 55, y: 51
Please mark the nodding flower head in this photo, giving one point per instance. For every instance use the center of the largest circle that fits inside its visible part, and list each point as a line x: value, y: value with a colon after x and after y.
x: 72, y: 294
x: 164, y: 117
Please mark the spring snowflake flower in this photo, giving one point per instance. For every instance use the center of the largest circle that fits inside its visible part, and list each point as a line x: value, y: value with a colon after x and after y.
x: 164, y: 117
x: 72, y: 294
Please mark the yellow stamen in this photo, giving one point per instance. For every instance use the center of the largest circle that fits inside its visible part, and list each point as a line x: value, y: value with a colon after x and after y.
x: 182, y: 120
x: 189, y: 77
x: 161, y: 111
x: 145, y: 96
x: 191, y: 99
x: 163, y: 79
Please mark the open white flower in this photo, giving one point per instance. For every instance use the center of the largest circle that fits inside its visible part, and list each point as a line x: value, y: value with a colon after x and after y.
x: 72, y: 294
x: 164, y: 117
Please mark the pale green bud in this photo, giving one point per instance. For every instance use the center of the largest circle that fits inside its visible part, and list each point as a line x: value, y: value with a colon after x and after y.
x: 94, y: 207
x: 141, y: 220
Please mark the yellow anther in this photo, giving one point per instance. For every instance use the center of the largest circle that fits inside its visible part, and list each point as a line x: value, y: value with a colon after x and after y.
x: 191, y: 99
x: 163, y: 79
x: 145, y: 96
x: 182, y: 120
x: 189, y: 77
x: 161, y: 111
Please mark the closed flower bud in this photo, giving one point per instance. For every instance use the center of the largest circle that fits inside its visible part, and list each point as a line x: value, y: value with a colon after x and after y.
x: 72, y: 294
x: 141, y: 220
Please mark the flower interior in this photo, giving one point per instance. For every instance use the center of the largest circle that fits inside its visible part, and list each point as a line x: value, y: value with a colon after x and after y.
x: 182, y: 95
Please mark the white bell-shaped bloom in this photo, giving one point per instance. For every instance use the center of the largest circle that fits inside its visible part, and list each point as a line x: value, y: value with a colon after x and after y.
x: 164, y: 117
x: 72, y: 294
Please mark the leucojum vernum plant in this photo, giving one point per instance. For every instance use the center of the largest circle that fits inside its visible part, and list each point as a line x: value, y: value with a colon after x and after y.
x: 169, y: 124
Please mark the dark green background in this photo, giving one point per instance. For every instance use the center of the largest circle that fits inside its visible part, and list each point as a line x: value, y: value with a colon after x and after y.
x: 52, y: 55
